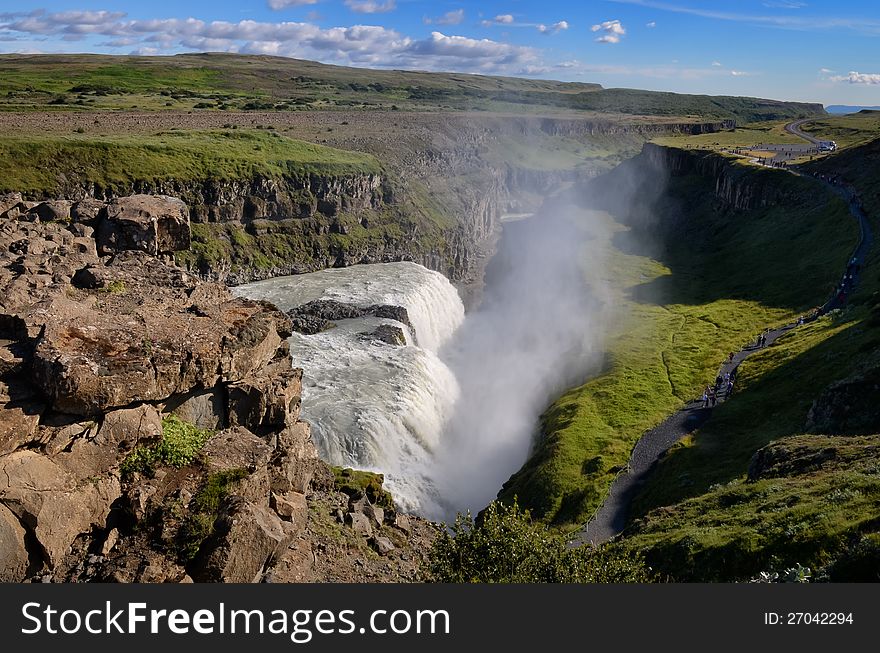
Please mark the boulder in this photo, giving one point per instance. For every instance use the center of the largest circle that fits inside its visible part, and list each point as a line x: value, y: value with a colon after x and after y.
x: 204, y: 408
x: 291, y: 507
x: 19, y: 420
x: 359, y: 523
x: 381, y: 545
x: 8, y: 201
x: 246, y: 538
x: 238, y: 448
x: 156, y: 224
x: 375, y: 513
x: 53, y: 211
x: 48, y: 500
x: 13, y: 548
x: 149, y: 347
x: 295, y: 459
x: 87, y: 211
x: 295, y: 564
x: 403, y: 523
x: 128, y: 428
x: 110, y: 542
x: 270, y: 400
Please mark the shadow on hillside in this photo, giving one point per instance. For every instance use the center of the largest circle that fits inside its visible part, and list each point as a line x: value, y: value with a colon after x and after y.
x: 770, y: 408
x: 781, y: 256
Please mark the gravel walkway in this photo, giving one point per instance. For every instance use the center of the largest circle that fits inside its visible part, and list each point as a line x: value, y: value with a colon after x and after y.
x: 611, y: 517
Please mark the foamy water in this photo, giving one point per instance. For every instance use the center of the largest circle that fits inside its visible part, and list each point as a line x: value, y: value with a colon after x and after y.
x: 373, y: 405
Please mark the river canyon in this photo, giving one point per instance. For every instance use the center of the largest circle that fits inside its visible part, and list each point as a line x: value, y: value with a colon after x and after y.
x: 448, y: 416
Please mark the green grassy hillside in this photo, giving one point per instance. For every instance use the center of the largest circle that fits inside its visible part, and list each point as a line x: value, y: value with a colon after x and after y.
x: 226, y: 81
x: 45, y: 165
x: 710, y: 279
x: 749, y: 491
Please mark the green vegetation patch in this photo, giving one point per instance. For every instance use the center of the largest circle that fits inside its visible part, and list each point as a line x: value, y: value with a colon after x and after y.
x: 226, y: 81
x: 821, y: 513
x: 506, y: 546
x: 776, y: 389
x: 40, y: 165
x: 357, y: 483
x: 179, y: 447
x: 204, y: 509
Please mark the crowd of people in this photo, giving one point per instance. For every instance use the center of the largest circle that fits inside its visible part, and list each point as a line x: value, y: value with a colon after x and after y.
x: 723, y: 388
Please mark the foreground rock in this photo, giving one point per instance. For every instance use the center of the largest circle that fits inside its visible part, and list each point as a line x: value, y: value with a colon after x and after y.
x: 149, y: 421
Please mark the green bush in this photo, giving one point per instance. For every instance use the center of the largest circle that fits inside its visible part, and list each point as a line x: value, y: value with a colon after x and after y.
x: 506, y: 546
x: 180, y: 445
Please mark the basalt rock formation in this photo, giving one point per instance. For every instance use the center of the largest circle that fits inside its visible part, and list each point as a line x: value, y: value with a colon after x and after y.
x: 149, y: 421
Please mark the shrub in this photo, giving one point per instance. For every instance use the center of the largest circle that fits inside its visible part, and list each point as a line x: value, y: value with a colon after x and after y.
x: 506, y: 546
x: 180, y: 446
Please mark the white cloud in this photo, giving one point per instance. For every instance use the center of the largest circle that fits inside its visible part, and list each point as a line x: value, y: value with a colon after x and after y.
x: 858, y: 78
x: 784, y: 4
x: 449, y: 18
x: 825, y: 71
x: 611, y: 30
x: 370, y: 6
x: 740, y: 73
x: 284, y: 4
x: 554, y: 28
x: 358, y: 45
x: 504, y: 19
x: 717, y: 64
x: 652, y: 24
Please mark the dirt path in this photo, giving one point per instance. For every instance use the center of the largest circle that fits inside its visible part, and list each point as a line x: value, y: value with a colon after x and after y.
x: 611, y: 517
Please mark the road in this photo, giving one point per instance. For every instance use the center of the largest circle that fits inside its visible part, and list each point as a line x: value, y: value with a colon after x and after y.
x: 794, y: 128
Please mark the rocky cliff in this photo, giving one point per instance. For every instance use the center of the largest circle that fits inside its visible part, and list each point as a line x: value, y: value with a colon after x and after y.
x: 149, y: 421
x: 738, y: 186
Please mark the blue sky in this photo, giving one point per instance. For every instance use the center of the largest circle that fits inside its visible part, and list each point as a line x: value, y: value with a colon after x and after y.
x: 787, y: 49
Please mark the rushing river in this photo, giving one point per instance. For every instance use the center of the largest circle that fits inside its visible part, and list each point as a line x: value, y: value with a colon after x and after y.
x: 374, y: 405
x: 449, y: 416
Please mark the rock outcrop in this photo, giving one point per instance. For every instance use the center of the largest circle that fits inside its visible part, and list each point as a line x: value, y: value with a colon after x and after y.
x: 149, y: 420
x: 152, y: 224
x: 321, y: 314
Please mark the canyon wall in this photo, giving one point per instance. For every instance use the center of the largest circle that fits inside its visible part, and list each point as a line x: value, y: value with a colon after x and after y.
x: 739, y: 186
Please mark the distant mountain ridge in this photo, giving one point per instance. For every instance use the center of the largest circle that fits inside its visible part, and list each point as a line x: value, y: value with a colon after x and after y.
x: 849, y: 108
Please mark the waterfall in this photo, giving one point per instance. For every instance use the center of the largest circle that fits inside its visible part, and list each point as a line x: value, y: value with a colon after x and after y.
x: 373, y: 405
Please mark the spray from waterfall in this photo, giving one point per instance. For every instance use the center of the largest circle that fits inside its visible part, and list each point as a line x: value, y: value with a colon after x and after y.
x: 452, y: 415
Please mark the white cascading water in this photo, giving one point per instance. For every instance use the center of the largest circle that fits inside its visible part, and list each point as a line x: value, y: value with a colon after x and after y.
x: 373, y: 405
